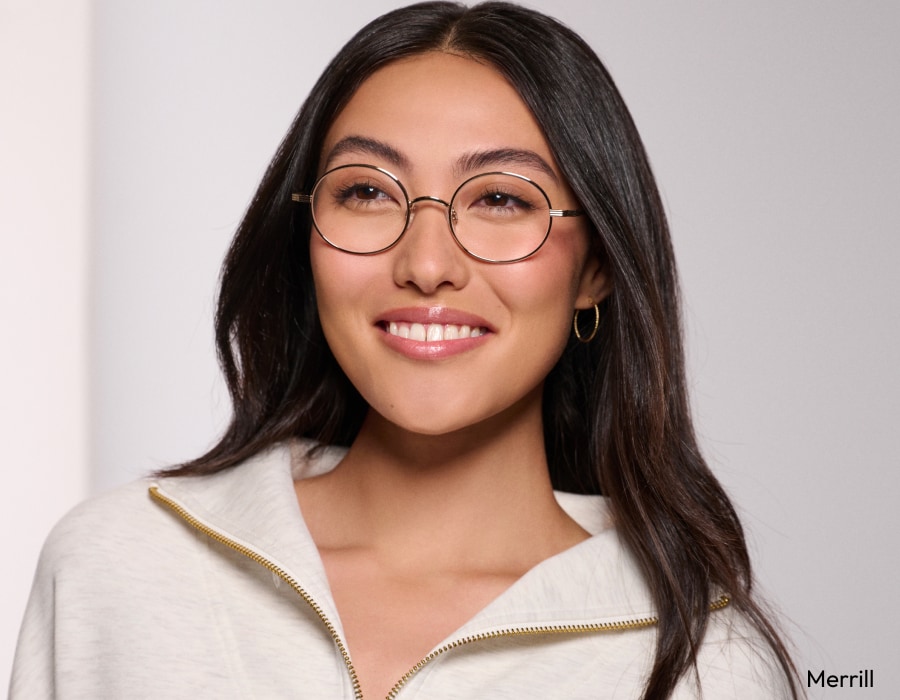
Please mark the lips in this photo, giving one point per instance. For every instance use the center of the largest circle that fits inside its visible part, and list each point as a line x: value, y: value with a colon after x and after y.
x: 433, y: 332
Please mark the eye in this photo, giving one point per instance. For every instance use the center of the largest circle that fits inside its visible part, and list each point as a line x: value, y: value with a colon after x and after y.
x: 501, y: 202
x: 361, y: 192
x: 499, y: 199
x: 500, y: 195
x: 358, y: 190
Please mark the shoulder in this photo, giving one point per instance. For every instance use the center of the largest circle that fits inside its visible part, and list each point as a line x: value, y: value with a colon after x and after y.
x: 111, y: 532
x: 735, y: 662
x: 99, y: 517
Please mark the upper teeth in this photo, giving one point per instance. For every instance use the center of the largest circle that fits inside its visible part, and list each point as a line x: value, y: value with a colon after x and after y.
x: 432, y: 332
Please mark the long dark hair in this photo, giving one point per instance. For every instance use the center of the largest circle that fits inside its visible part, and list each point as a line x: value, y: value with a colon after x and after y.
x: 616, y: 417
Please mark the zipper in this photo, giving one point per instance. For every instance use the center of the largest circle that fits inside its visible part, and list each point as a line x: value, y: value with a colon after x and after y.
x: 253, y: 555
x: 620, y: 626
x: 270, y: 566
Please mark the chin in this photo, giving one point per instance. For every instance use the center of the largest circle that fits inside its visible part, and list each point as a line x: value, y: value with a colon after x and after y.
x: 432, y: 418
x: 428, y: 425
x: 467, y: 416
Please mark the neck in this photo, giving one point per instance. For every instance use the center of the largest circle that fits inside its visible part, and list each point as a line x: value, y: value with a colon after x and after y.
x: 474, y: 496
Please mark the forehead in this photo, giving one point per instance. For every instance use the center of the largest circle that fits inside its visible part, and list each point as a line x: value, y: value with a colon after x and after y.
x: 433, y: 109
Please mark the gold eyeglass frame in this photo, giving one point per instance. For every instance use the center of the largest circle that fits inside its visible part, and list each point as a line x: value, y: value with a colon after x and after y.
x: 451, y: 213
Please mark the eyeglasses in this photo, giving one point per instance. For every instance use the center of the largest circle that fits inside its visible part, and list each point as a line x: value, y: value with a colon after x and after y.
x: 496, y: 217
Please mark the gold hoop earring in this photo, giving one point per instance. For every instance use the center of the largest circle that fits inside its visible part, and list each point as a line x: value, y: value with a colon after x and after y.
x: 588, y: 338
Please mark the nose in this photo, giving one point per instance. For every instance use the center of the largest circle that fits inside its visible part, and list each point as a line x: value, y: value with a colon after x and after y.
x: 428, y: 257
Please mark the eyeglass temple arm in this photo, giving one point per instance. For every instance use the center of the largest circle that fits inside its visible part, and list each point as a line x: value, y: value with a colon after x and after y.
x: 303, y: 198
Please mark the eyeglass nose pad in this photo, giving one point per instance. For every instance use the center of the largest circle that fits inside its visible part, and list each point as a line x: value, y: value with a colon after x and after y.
x: 454, y: 217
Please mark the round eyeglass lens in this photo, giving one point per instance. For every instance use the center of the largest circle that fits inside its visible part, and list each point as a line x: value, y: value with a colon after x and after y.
x: 500, y: 217
x: 359, y: 208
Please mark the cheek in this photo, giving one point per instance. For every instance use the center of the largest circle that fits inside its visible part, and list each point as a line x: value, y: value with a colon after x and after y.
x: 322, y: 272
x: 337, y: 277
x: 336, y: 293
x: 544, y: 288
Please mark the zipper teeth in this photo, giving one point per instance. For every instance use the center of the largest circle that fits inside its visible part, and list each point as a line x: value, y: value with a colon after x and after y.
x: 623, y: 625
x: 275, y: 569
x: 517, y: 632
x: 634, y: 624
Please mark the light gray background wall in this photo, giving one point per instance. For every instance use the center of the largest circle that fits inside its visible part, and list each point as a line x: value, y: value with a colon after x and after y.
x: 773, y: 131
x: 44, y: 261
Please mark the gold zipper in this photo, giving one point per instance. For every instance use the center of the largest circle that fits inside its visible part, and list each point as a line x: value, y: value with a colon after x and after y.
x: 275, y: 569
x: 620, y: 626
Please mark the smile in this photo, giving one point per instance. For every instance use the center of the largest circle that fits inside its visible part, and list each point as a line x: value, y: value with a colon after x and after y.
x: 433, y: 332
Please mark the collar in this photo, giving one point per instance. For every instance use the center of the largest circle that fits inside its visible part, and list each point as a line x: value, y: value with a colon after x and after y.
x: 596, y: 582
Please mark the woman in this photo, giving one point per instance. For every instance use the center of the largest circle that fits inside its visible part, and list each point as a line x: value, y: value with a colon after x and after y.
x: 396, y: 328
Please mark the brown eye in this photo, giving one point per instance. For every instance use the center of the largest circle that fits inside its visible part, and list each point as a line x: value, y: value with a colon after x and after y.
x: 361, y: 192
x: 498, y: 199
x: 365, y: 192
x: 502, y: 202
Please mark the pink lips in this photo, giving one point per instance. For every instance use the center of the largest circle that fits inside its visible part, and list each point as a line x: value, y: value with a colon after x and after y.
x: 429, y: 317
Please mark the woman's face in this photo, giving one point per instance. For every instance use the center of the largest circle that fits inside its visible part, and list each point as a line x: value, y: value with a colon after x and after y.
x: 433, y: 121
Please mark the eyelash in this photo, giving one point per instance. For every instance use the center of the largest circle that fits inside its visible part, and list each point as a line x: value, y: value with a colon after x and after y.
x: 515, y: 201
x: 349, y: 192
x: 349, y: 195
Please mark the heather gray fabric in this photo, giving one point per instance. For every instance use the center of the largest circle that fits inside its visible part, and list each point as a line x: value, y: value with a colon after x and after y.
x: 132, y: 601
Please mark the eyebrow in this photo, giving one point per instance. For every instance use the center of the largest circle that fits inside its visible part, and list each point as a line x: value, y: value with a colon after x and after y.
x: 365, y: 146
x: 470, y: 162
x: 500, y: 157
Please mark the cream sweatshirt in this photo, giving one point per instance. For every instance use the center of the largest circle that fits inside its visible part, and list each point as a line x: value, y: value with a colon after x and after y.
x: 211, y: 587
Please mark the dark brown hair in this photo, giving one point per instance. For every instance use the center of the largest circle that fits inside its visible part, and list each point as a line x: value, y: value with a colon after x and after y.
x: 616, y: 416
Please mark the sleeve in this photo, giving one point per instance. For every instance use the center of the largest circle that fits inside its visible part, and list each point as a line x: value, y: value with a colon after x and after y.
x: 80, y: 600
x: 33, y: 667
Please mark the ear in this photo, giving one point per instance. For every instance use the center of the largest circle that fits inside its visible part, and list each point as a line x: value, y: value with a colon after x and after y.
x: 595, y: 284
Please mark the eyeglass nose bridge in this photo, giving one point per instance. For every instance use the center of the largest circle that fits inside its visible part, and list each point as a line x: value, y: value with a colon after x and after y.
x: 451, y: 212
